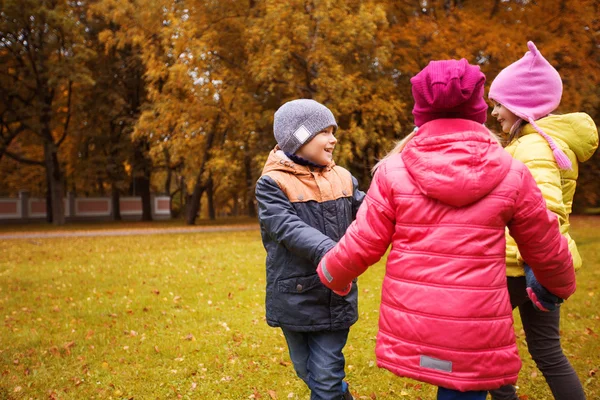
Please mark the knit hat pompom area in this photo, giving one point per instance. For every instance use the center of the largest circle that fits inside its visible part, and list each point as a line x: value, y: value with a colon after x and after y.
x: 298, y: 121
x: 531, y: 88
x: 449, y: 89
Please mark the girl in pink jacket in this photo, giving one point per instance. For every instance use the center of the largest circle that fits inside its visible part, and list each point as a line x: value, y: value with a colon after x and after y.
x: 442, y: 199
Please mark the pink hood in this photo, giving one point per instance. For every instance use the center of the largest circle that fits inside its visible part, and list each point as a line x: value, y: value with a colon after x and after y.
x: 452, y: 162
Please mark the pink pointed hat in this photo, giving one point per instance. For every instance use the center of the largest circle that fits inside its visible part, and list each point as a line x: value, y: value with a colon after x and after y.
x: 531, y: 89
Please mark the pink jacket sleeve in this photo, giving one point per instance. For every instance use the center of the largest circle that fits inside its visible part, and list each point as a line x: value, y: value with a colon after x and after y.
x: 536, y: 231
x: 366, y: 239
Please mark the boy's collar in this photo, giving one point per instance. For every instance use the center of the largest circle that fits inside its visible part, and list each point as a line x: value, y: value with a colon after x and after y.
x: 303, y: 161
x: 282, y: 155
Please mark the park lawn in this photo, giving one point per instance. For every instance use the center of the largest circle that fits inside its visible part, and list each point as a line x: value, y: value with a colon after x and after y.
x: 182, y: 316
x: 41, y: 226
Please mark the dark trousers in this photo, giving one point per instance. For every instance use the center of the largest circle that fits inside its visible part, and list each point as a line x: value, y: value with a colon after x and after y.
x: 449, y: 394
x: 319, y: 361
x: 543, y: 342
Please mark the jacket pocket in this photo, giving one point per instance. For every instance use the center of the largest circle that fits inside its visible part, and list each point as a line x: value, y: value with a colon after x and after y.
x: 302, y: 301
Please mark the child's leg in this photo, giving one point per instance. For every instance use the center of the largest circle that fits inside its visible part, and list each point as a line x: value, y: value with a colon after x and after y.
x: 518, y: 296
x: 326, y: 364
x: 449, y: 394
x: 543, y: 341
x: 299, y: 351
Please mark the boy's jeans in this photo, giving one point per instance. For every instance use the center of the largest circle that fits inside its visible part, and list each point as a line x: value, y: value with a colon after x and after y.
x: 318, y: 361
x: 449, y: 394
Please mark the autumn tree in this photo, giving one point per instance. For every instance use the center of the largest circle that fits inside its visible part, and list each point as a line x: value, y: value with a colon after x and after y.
x: 494, y: 33
x: 43, y: 66
x: 186, y: 89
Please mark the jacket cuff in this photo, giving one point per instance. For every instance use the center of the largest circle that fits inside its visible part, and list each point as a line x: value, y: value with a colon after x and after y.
x: 327, y: 279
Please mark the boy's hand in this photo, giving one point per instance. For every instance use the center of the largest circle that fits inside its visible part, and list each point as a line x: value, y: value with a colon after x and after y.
x: 541, y: 298
x: 345, y: 291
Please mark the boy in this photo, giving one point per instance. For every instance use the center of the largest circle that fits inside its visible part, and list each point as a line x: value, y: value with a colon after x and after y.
x: 305, y: 204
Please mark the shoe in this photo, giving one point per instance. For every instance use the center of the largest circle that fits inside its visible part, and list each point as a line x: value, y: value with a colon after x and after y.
x: 347, y: 395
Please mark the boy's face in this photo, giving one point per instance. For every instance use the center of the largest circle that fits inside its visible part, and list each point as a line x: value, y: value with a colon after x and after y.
x: 319, y: 149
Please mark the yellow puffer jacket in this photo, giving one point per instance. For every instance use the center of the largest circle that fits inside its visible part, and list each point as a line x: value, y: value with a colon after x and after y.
x: 577, y: 135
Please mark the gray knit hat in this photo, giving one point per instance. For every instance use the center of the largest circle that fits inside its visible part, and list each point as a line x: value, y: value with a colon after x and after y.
x: 298, y: 121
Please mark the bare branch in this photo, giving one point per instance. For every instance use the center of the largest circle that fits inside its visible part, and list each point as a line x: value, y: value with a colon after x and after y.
x: 23, y: 160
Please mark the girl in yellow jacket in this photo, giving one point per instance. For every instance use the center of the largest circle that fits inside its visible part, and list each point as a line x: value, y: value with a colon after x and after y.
x: 524, y: 94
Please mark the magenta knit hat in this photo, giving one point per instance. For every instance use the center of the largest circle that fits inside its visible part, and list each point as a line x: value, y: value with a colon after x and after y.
x: 531, y: 89
x: 449, y: 89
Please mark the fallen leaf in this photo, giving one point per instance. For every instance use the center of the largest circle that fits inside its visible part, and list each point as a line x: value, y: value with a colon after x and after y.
x: 272, y: 394
x: 590, y: 332
x: 54, y: 351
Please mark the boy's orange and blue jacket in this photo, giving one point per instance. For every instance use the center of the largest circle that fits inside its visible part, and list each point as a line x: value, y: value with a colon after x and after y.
x: 303, y: 212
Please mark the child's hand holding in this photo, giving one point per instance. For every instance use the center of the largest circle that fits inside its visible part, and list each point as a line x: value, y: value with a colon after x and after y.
x: 327, y: 279
x: 541, y: 298
x: 345, y: 291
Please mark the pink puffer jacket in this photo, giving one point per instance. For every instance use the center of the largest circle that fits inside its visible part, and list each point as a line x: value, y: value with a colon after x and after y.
x: 443, y: 204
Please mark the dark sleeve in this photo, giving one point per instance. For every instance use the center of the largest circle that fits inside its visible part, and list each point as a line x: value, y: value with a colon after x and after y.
x: 357, y: 197
x: 279, y: 219
x: 366, y: 239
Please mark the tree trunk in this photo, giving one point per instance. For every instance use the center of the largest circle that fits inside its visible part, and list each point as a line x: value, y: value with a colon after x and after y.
x: 142, y: 186
x: 48, y: 199
x: 169, y: 171
x: 116, y: 204
x: 182, y: 197
x: 249, y: 185
x: 211, y: 199
x: 193, y: 205
x: 55, y: 186
x: 141, y: 177
x: 169, y: 179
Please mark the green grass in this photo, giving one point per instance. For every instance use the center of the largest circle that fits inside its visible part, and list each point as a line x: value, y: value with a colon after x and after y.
x: 182, y: 316
x: 40, y: 226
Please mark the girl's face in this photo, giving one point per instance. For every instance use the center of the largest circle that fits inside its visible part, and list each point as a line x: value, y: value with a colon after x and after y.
x: 320, y: 148
x: 504, y: 116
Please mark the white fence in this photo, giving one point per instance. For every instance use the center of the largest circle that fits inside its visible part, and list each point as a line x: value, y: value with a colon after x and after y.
x: 25, y: 208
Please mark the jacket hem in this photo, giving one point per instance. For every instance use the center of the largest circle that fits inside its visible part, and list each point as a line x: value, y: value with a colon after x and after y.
x: 451, y: 381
